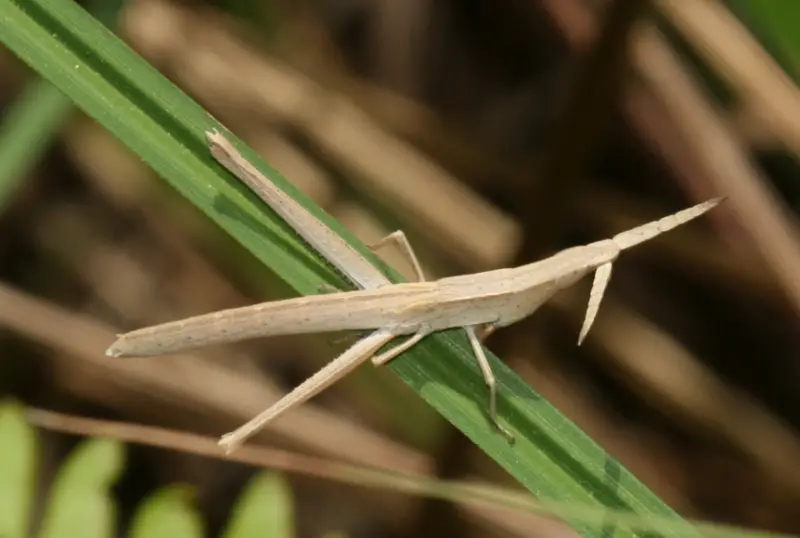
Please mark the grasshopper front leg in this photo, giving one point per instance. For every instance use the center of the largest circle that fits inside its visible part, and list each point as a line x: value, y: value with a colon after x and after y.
x: 399, y: 237
x: 602, y: 276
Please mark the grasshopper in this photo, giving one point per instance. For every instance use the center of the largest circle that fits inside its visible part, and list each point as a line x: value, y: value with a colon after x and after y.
x: 479, y: 302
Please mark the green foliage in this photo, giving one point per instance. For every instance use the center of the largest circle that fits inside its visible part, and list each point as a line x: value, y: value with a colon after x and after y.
x: 80, y: 496
x: 17, y: 472
x: 264, y: 509
x: 26, y: 132
x: 167, y: 513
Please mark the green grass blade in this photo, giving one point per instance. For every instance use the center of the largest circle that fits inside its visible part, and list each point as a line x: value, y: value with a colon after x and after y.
x: 26, y: 133
x: 552, y: 457
x: 33, y: 120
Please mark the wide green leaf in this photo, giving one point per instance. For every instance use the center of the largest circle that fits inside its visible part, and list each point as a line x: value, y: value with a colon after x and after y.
x: 167, y: 513
x: 265, y: 508
x: 552, y: 457
x: 18, y: 453
x: 80, y: 500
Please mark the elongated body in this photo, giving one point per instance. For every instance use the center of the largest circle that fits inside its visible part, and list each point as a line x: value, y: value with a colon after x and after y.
x: 488, y: 299
x: 498, y: 297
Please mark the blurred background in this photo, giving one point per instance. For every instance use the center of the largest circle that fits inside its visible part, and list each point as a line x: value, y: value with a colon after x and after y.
x: 493, y: 133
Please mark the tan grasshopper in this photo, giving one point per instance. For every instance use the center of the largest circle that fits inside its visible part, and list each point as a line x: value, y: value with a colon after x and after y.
x: 478, y: 302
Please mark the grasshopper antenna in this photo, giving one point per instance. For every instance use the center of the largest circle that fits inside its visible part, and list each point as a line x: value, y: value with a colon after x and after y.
x: 645, y: 232
x: 632, y: 238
